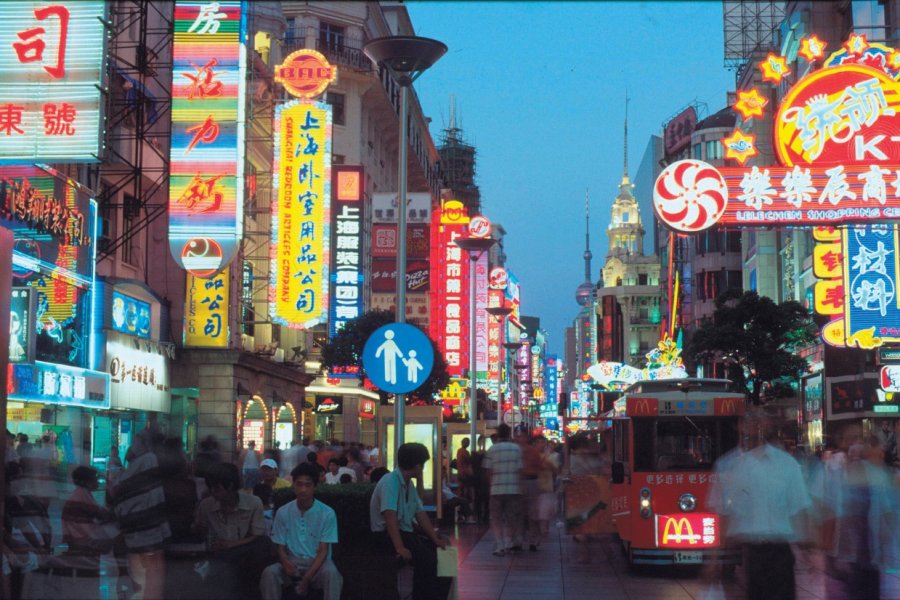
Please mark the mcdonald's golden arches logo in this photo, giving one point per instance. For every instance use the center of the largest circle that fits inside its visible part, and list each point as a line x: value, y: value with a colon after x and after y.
x: 679, y: 531
x: 642, y: 406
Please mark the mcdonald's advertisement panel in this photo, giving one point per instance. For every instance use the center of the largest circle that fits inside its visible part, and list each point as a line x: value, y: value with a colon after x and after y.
x: 688, y: 531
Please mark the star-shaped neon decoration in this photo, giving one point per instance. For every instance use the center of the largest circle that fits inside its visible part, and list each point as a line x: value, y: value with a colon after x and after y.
x: 740, y: 146
x: 774, y: 68
x: 750, y: 103
x: 812, y: 48
x: 856, y: 44
x: 893, y: 60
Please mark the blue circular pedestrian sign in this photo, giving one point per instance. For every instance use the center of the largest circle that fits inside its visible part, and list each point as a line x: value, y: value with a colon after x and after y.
x: 398, y: 358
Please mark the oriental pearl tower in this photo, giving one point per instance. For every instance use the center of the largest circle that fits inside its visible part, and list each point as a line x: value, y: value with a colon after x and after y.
x: 585, y: 292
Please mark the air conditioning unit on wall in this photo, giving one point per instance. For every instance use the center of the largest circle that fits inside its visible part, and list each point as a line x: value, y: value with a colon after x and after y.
x: 248, y: 342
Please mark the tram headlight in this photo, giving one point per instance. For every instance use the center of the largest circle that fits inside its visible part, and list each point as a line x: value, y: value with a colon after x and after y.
x: 644, y: 503
x: 687, y: 502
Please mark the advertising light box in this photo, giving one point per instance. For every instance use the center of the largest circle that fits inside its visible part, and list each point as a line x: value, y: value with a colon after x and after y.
x: 52, y: 65
x: 206, y: 191
x: 130, y: 315
x: 301, y: 215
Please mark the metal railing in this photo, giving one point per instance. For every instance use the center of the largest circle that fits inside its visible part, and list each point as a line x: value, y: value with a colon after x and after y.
x: 344, y: 54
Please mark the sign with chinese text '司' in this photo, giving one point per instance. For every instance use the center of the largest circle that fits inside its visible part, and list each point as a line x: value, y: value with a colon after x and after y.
x: 58, y: 384
x: 206, y: 187
x: 206, y: 311
x: 841, y: 115
x: 691, y: 196
x: 52, y: 57
x: 346, y: 270
x: 301, y: 215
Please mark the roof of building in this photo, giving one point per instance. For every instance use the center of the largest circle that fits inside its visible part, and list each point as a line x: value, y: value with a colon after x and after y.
x: 723, y: 118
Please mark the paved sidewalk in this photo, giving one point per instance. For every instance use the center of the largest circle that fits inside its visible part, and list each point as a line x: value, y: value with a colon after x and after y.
x: 553, y: 572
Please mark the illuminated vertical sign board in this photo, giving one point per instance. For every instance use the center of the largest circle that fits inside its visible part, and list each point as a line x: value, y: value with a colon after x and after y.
x: 206, y: 188
x: 482, y: 317
x: 346, y: 269
x: 206, y: 311
x: 871, y: 277
x: 52, y: 65
x: 495, y: 339
x: 301, y: 215
x: 450, y: 275
x: 550, y: 407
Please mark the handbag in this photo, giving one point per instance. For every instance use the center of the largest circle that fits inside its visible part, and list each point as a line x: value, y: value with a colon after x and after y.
x: 447, y: 562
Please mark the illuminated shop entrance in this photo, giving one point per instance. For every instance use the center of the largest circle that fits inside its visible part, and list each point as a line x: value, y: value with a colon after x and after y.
x: 253, y: 423
x: 285, y: 422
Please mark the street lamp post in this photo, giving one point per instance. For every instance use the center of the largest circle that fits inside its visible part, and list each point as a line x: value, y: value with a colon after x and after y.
x: 475, y: 247
x: 501, y: 312
x: 406, y: 58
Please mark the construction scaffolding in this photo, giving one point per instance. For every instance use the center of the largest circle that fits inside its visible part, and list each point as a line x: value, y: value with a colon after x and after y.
x: 458, y: 165
x: 133, y: 176
x: 749, y: 26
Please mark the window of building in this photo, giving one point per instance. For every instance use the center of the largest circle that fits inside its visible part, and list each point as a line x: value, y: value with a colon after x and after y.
x: 642, y: 279
x: 337, y: 107
x: 625, y: 217
x: 337, y: 159
x: 131, y: 214
x: 697, y: 151
x: 714, y: 150
x: 868, y: 19
x: 331, y: 37
x: 290, y: 35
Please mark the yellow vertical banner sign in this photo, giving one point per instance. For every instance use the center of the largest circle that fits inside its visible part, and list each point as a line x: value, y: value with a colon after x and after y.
x: 206, y: 311
x: 300, y: 249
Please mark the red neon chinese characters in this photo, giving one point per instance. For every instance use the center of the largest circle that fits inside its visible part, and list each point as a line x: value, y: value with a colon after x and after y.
x: 206, y: 133
x: 203, y: 84
x: 832, y: 260
x: 834, y: 297
x: 32, y: 45
x: 11, y: 118
x: 58, y: 119
x: 201, y: 192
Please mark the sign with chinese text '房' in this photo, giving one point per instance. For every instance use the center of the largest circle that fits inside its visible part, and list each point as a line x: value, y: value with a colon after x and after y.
x: 305, y: 73
x: 206, y: 189
x: 206, y: 311
x: 346, y: 270
x: 52, y: 57
x: 301, y: 215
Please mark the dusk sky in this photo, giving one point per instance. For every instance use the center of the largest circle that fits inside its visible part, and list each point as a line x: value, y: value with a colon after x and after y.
x: 540, y: 91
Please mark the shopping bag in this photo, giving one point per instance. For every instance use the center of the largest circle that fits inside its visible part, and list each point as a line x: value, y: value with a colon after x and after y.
x: 447, y: 565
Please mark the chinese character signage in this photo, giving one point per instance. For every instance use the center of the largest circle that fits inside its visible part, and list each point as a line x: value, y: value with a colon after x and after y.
x: 206, y: 189
x: 481, y: 315
x: 52, y: 57
x: 450, y: 270
x: 550, y: 407
x: 872, y: 306
x: 130, y: 315
x: 53, y: 223
x: 301, y: 215
x: 139, y: 379
x: 58, y: 384
x: 206, y: 311
x: 346, y: 272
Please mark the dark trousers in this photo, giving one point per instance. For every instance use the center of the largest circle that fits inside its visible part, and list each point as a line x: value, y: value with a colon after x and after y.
x: 770, y: 571
x: 426, y: 584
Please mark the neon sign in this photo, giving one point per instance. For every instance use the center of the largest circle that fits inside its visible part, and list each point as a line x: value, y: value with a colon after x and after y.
x: 52, y: 61
x: 206, y: 311
x: 450, y: 305
x: 206, y: 190
x: 346, y: 272
x: 301, y: 215
x: 694, y: 530
x: 305, y: 73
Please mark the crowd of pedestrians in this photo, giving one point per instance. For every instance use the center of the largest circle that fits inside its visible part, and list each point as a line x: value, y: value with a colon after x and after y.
x: 211, y: 524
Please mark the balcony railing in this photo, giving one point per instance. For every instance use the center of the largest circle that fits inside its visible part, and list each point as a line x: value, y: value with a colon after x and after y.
x: 346, y: 55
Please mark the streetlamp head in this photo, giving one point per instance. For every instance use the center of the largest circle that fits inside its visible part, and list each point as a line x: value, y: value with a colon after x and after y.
x: 499, y: 311
x: 406, y: 56
x: 475, y: 246
x: 512, y: 345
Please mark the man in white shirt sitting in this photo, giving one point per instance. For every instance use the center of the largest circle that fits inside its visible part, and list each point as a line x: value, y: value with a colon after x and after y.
x: 303, y: 533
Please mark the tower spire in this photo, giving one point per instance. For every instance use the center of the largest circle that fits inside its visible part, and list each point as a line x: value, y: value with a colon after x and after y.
x: 587, y: 236
x: 625, y: 138
x: 452, y: 111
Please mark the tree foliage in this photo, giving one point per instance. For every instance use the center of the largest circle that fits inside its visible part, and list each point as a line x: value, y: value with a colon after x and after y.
x: 757, y: 339
x: 346, y: 349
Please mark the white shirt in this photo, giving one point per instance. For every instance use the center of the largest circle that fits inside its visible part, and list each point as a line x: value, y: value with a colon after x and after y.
x: 301, y: 533
x: 761, y: 490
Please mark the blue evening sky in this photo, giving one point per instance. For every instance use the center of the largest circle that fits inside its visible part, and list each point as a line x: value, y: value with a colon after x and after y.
x: 540, y: 91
